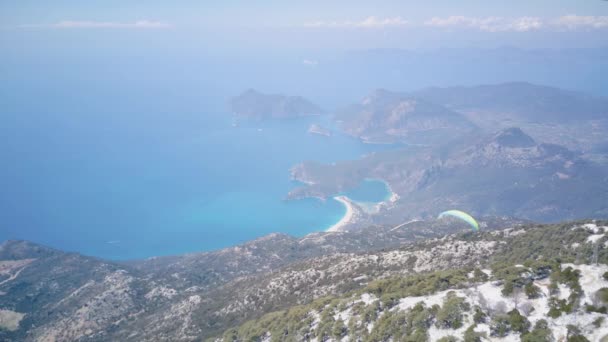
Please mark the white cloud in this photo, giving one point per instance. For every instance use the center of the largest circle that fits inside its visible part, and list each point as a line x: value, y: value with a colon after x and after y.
x: 367, y: 23
x: 310, y: 63
x: 525, y: 24
x: 488, y: 24
x: 574, y: 22
x: 75, y: 24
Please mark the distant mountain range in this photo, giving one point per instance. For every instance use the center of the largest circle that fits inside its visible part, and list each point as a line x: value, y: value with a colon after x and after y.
x: 438, y: 115
x: 511, y: 149
x: 520, y: 101
x: 504, y: 173
x: 386, y: 116
x: 253, y: 105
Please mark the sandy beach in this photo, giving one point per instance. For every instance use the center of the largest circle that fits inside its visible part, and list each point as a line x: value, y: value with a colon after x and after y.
x: 354, y: 210
x: 348, y: 217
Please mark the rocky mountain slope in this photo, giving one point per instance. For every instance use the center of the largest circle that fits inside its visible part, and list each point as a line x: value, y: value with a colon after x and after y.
x: 513, y: 149
x: 534, y: 284
x: 54, y: 296
x: 47, y: 294
x: 501, y: 173
x: 549, y: 114
x: 439, y: 115
x: 253, y: 105
x: 520, y: 100
x: 386, y: 116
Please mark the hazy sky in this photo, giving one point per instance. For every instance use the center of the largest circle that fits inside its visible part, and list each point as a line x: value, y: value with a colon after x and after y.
x: 311, y: 24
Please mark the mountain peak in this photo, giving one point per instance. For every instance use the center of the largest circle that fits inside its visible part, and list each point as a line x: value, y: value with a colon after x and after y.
x: 19, y: 249
x: 381, y: 95
x: 513, y: 137
x: 255, y: 105
x: 251, y: 91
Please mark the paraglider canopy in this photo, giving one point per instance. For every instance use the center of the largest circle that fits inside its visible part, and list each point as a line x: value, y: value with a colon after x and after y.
x: 462, y: 216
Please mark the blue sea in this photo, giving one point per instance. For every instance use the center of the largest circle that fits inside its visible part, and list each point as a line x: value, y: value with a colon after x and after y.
x: 122, y: 147
x: 150, y: 182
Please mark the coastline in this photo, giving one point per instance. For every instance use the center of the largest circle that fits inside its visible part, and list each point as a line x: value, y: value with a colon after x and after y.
x: 355, y: 210
x: 348, y: 218
x: 391, y: 196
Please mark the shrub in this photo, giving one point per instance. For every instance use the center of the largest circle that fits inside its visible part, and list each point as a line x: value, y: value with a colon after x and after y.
x: 391, y: 325
x: 479, y: 316
x: 532, y: 291
x: 450, y: 315
x: 507, y: 288
x: 500, y: 326
x: 420, y: 318
x: 602, y: 294
x: 448, y: 339
x: 574, y: 334
x: 371, y: 312
x: 598, y: 309
x: 557, y: 306
x: 479, y: 275
x: 577, y: 338
x: 518, y: 322
x: 598, y: 322
x: 470, y: 335
x: 339, y: 330
x: 230, y: 335
x: 325, y: 327
x: 540, y: 333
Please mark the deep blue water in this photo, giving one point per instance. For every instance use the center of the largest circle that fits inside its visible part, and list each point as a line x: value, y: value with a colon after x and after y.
x: 130, y: 185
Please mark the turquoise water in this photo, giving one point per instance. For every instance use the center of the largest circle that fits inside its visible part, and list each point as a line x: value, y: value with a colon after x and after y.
x: 124, y: 186
x: 370, y: 190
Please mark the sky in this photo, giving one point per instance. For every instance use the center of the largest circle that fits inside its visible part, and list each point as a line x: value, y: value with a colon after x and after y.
x: 273, y: 44
x: 233, y: 25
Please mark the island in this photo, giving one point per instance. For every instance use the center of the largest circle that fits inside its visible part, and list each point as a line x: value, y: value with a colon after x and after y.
x: 257, y: 106
x: 320, y: 130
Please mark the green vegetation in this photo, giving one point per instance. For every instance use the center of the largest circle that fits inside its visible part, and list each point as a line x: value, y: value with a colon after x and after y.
x: 479, y: 275
x: 339, y: 329
x: 516, y: 278
x: 574, y: 334
x: 540, y: 333
x: 532, y: 291
x: 502, y: 325
x: 598, y: 322
x: 470, y: 335
x: 479, y: 316
x: 410, y: 325
x: 318, y: 319
x: 593, y: 308
x: 518, y: 322
x: 557, y: 307
x: 450, y: 315
x: 417, y: 285
x: 570, y: 278
x: 603, y: 295
x: 539, y: 244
